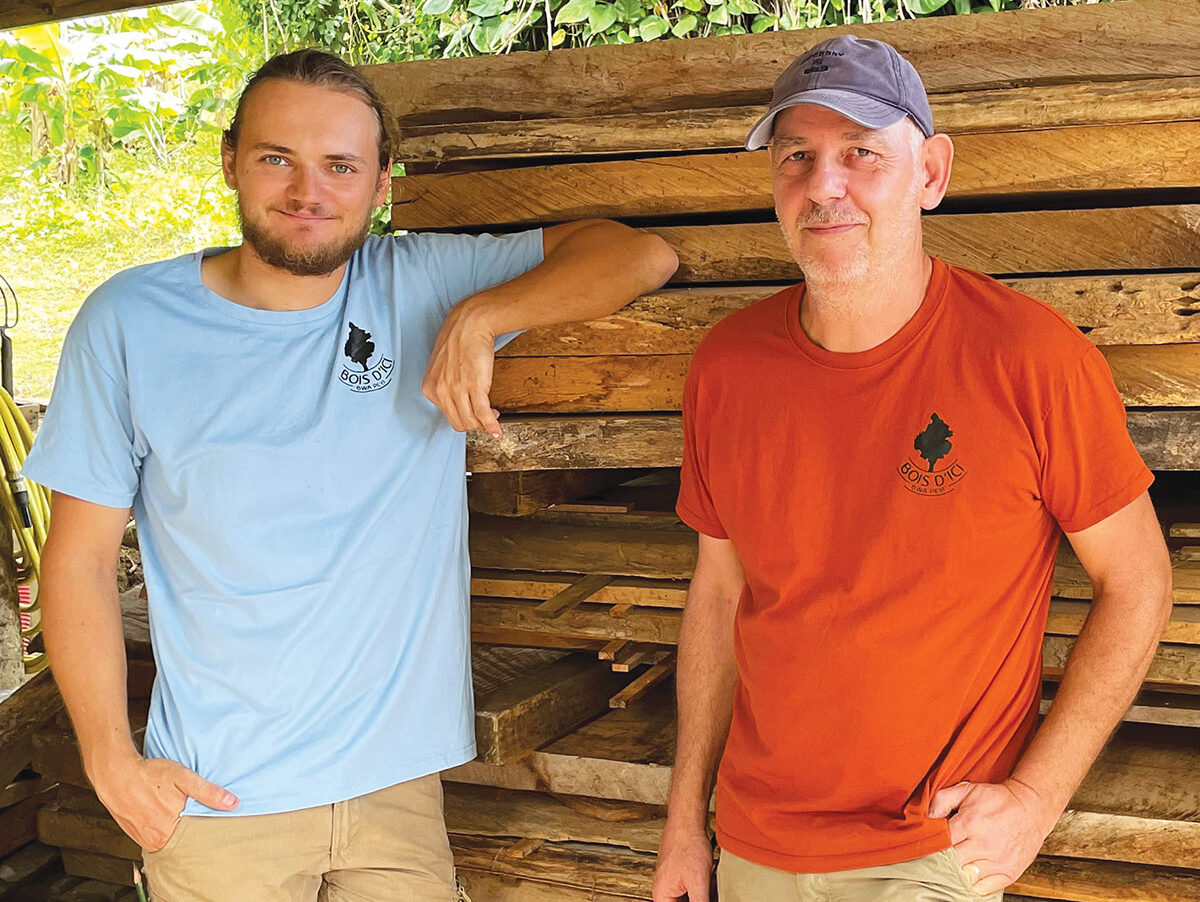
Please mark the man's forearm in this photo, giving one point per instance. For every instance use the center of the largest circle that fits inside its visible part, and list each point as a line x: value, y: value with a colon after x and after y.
x: 1109, y: 660
x: 81, y: 622
x: 705, y: 681
x: 595, y: 269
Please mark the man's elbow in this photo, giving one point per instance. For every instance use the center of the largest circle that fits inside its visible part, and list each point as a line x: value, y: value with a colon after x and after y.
x: 661, y: 259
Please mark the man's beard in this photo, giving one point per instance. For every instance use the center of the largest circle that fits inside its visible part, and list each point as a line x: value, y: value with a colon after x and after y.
x: 276, y: 251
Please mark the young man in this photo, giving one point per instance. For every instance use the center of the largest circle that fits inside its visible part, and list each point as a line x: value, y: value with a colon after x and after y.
x: 863, y: 633
x: 301, y: 507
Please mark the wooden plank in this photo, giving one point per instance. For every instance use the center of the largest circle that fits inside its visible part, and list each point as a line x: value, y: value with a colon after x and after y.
x: 519, y: 494
x: 1167, y: 440
x: 1105, y: 42
x: 1116, y: 310
x: 1145, y: 772
x: 18, y: 825
x: 487, y: 811
x: 541, y: 706
x: 1039, y: 241
x: 1185, y: 531
x: 484, y: 885
x: 1165, y: 708
x: 725, y: 128
x: 1112, y: 837
x: 609, y: 870
x: 593, y: 622
x: 1067, y: 617
x: 97, y: 867
x: 1094, y: 881
x: 1102, y: 158
x: 1174, y: 667
x: 1146, y: 375
x: 573, y: 595
x: 643, y: 684
x: 19, y: 13
x: 33, y: 705
x: 86, y: 832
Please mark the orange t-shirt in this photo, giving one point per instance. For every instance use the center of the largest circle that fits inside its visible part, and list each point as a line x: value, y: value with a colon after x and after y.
x: 897, y: 512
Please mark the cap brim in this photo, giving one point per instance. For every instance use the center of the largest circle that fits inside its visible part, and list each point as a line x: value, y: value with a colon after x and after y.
x: 866, y: 111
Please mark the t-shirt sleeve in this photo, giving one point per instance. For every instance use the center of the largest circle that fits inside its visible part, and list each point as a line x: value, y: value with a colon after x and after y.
x: 461, y: 265
x: 1090, y: 467
x: 86, y: 446
x: 695, y: 505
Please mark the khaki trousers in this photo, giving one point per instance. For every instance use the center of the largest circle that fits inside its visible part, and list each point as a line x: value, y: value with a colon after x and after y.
x: 387, y: 846
x: 934, y: 878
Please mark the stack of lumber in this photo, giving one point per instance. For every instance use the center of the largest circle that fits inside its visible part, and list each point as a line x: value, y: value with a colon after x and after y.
x: 1076, y: 180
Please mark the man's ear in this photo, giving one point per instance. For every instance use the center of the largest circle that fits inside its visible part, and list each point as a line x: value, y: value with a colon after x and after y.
x: 382, y: 185
x: 938, y: 156
x: 228, y: 163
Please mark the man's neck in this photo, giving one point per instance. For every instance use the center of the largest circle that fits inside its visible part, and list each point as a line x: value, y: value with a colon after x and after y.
x: 241, y: 276
x: 852, y: 317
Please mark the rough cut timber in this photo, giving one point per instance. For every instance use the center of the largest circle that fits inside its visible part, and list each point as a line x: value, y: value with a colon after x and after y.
x: 1102, y: 158
x: 1167, y: 440
x: 1093, y: 43
x: 1158, y: 375
x: 1038, y: 241
x: 1115, y: 310
x: 725, y: 128
x: 18, y: 13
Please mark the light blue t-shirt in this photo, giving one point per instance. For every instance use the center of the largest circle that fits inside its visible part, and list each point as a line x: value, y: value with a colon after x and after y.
x: 301, y: 512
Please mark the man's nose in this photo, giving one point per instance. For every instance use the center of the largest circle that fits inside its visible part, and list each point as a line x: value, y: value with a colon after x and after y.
x: 826, y: 180
x: 305, y: 184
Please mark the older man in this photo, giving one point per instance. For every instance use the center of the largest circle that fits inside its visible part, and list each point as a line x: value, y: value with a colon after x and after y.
x: 301, y: 507
x: 880, y: 462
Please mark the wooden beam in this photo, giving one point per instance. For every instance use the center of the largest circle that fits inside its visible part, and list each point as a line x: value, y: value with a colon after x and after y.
x: 1174, y: 667
x: 487, y: 811
x: 540, y: 586
x: 1094, y: 881
x: 1105, y: 42
x: 522, y: 493
x: 573, y: 595
x: 1159, y: 375
x: 1116, y: 310
x: 643, y: 684
x: 1167, y: 440
x: 30, y: 707
x: 1039, y: 241
x: 593, y: 622
x: 1113, y: 837
x: 1089, y: 103
x: 105, y: 868
x: 1067, y: 617
x: 541, y: 706
x: 1102, y: 158
x: 87, y: 832
x: 20, y: 13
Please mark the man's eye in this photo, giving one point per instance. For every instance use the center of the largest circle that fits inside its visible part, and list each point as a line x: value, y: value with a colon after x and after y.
x: 274, y: 160
x: 863, y: 152
x: 342, y: 169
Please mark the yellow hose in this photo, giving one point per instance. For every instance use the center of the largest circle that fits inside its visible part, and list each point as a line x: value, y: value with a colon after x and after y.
x: 16, y: 438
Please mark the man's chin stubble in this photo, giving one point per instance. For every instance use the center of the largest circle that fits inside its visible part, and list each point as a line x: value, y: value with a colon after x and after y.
x: 318, y: 261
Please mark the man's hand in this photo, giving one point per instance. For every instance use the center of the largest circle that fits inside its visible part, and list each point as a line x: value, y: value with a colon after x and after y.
x: 997, y: 829
x: 458, y: 379
x: 685, y: 864
x: 146, y: 796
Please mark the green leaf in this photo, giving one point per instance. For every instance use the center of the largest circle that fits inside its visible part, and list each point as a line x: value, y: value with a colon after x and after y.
x: 685, y: 25
x: 485, y: 9
x: 436, y: 7
x: 485, y: 34
x: 924, y: 7
x: 574, y: 11
x: 601, y: 16
x: 557, y: 37
x: 962, y: 7
x: 763, y: 23
x: 652, y: 27
x: 629, y: 10
x: 692, y: 5
x: 624, y: 37
x: 719, y: 15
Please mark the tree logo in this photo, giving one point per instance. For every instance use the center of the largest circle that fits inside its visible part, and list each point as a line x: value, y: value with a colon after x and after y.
x: 359, y: 349
x: 932, y: 445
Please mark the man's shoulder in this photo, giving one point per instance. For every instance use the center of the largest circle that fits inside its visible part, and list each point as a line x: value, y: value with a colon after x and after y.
x: 1014, y: 321
x: 124, y: 295
x: 747, y: 328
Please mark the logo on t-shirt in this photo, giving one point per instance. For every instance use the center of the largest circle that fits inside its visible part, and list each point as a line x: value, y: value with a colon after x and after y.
x: 360, y: 349
x: 933, y: 469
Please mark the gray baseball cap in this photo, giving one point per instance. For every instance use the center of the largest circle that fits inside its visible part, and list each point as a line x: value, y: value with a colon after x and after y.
x: 866, y: 81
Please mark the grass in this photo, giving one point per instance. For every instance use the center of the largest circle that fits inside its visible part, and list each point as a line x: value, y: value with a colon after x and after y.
x: 57, y: 244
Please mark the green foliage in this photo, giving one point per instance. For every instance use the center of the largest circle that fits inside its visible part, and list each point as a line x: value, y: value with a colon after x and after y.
x: 145, y: 81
